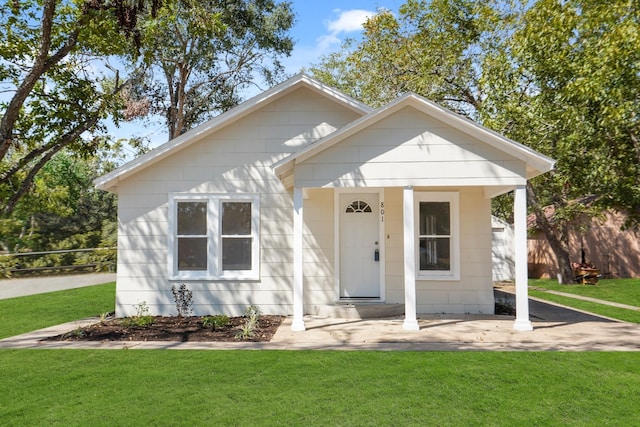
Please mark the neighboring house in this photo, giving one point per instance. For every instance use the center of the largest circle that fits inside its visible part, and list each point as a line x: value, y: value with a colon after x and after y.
x: 303, y: 197
x: 600, y: 241
x: 502, y: 241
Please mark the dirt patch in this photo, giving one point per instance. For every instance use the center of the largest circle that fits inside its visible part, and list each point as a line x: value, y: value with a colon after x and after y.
x: 173, y: 328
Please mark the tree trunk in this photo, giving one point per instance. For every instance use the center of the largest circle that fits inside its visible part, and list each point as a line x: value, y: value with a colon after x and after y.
x: 557, y: 235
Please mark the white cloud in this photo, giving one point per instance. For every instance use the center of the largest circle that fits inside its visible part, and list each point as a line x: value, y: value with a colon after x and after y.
x: 348, y: 21
x: 345, y: 22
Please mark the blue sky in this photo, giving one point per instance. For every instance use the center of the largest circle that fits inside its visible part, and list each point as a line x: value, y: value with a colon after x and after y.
x: 322, y: 25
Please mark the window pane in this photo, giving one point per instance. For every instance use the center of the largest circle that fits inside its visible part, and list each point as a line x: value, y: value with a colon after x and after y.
x: 192, y: 253
x: 192, y: 218
x: 236, y: 253
x: 434, y: 219
x: 434, y: 253
x: 236, y: 218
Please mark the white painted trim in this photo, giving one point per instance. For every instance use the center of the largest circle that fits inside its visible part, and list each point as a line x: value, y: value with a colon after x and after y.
x: 214, y: 251
x: 522, y: 322
x: 454, y: 249
x: 297, y: 323
x: 408, y: 223
x: 336, y: 238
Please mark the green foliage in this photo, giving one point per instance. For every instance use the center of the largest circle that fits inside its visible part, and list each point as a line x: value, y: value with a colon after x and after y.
x: 217, y: 321
x: 62, y: 212
x: 7, y: 263
x: 200, y: 55
x: 55, y: 67
x: 250, y: 324
x: 183, y: 297
x: 560, y: 77
x: 141, y: 319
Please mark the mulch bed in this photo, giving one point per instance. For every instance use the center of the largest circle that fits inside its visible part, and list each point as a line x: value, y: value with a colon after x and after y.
x: 172, y: 328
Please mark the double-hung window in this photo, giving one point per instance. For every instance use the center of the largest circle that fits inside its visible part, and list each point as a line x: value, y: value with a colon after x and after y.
x: 437, y: 234
x: 214, y: 236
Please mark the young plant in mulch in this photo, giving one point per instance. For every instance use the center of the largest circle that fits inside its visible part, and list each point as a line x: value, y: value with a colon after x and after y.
x: 141, y: 319
x: 218, y: 321
x: 250, y: 325
x: 183, y: 298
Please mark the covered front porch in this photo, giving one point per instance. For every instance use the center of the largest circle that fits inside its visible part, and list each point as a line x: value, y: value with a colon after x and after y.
x: 396, y: 208
x: 395, y: 252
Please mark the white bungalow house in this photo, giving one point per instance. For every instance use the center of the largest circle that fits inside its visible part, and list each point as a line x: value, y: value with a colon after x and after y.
x: 303, y: 197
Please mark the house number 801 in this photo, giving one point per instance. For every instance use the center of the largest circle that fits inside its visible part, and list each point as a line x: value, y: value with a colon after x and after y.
x: 381, y: 211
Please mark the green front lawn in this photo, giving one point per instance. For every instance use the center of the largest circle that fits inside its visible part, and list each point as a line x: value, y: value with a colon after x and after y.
x: 163, y: 387
x: 29, y: 313
x: 624, y: 291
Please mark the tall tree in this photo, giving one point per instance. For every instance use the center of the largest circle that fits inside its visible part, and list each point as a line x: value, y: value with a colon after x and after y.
x: 574, y: 67
x: 53, y: 95
x: 561, y: 77
x: 433, y: 48
x: 200, y: 55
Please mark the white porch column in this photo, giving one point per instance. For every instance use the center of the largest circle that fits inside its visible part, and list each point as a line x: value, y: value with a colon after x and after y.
x: 522, y: 322
x: 410, y: 317
x: 298, y: 277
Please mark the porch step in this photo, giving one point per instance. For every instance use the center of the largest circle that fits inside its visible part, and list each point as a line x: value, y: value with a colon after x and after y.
x: 358, y: 310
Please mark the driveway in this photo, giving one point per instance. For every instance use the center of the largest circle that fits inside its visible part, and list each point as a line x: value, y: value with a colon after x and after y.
x: 11, y: 288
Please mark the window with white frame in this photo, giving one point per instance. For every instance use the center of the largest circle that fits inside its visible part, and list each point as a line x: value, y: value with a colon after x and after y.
x: 437, y: 234
x: 214, y: 236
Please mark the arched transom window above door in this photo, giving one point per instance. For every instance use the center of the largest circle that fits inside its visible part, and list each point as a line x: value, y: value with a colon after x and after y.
x: 358, y: 206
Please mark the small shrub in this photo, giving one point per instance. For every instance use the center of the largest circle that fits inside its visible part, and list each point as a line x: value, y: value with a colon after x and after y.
x: 215, y: 322
x: 103, y: 317
x: 248, y: 328
x: 142, y: 317
x: 183, y: 298
x: 7, y: 263
x: 76, y: 333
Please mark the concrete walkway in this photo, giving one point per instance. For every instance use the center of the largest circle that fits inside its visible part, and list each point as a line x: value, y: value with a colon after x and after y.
x: 564, y: 331
x: 556, y: 328
x: 12, y: 288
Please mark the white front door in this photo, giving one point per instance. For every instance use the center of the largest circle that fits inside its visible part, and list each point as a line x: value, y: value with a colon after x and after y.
x: 359, y: 234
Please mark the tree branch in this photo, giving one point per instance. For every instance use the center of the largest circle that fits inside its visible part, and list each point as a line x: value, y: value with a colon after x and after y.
x: 63, y: 142
x: 43, y: 63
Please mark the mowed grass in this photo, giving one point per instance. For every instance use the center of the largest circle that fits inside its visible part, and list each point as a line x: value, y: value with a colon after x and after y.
x: 29, y: 313
x: 317, y: 388
x: 310, y: 388
x: 623, y: 291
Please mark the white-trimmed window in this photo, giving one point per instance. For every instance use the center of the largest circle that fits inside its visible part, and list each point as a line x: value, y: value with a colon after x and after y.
x: 214, y: 236
x: 438, y: 235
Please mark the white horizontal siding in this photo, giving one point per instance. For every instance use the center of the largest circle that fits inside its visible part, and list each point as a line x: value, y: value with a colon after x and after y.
x: 236, y: 159
x: 408, y: 148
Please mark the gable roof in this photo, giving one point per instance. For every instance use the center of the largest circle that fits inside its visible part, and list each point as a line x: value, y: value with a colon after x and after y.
x: 537, y: 163
x: 109, y: 181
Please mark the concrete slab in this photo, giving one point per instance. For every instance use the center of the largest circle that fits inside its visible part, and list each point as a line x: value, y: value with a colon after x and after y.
x: 556, y: 328
x: 437, y: 333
